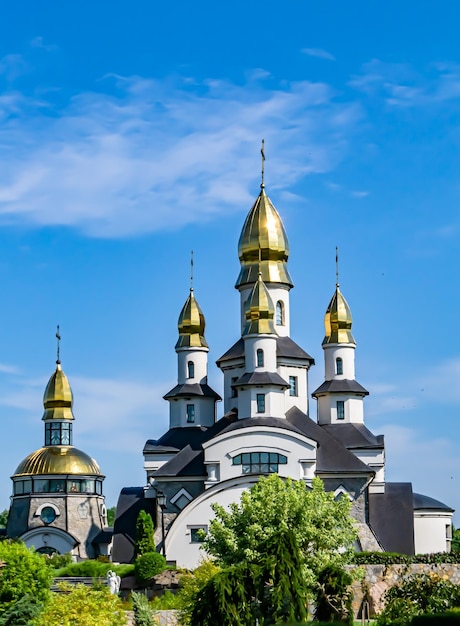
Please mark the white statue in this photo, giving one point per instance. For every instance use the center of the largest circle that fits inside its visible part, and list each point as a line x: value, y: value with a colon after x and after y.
x: 113, y: 582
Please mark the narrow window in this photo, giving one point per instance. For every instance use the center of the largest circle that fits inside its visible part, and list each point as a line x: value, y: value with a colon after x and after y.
x: 293, y: 386
x: 234, y: 390
x: 190, y: 369
x: 340, y: 409
x: 260, y: 358
x: 190, y: 413
x: 260, y: 403
x: 338, y: 366
x: 279, y: 315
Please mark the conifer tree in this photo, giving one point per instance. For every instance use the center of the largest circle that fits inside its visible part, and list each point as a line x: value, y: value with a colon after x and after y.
x: 144, y: 535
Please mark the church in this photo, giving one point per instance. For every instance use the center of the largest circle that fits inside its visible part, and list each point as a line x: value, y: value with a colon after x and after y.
x: 268, y: 423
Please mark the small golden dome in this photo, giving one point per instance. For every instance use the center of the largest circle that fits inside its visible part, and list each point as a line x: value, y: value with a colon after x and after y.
x: 259, y: 311
x: 58, y: 397
x: 338, y: 320
x: 191, y: 325
x: 263, y: 245
x: 58, y: 460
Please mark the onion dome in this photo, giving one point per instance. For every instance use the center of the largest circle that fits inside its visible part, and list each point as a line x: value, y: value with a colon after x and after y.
x: 58, y: 460
x: 259, y: 311
x: 338, y: 320
x: 58, y: 397
x: 191, y: 325
x: 263, y: 245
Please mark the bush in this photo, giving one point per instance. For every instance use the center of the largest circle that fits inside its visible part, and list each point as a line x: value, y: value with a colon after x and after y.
x: 25, y: 572
x: 190, y: 586
x: 390, y: 558
x: 166, y: 602
x: 333, y: 596
x: 144, y: 535
x: 21, y: 613
x: 450, y: 618
x: 148, y: 565
x: 93, y: 569
x: 142, y: 613
x: 58, y: 561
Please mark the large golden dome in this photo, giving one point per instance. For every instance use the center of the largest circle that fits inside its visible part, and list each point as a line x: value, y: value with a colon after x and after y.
x: 263, y: 245
x: 58, y: 397
x: 259, y: 311
x: 58, y: 460
x: 191, y: 325
x: 338, y: 320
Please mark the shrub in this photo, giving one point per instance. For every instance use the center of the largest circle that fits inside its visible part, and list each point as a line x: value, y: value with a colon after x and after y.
x: 443, y: 619
x: 22, y: 612
x: 144, y: 535
x: 166, y: 602
x: 190, y: 586
x: 58, y: 561
x: 25, y: 572
x: 142, y: 613
x: 333, y: 596
x: 148, y: 565
x: 94, y: 569
x: 390, y: 558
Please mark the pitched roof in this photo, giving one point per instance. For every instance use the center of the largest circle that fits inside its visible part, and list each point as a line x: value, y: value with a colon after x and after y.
x: 391, y: 517
x: 261, y: 378
x: 354, y: 435
x: 285, y: 347
x: 195, y: 389
x: 340, y: 386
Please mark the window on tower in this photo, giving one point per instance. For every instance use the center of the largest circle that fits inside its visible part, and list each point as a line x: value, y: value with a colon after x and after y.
x: 234, y: 390
x: 58, y: 434
x: 338, y: 366
x: 190, y: 413
x: 190, y: 369
x: 260, y: 358
x: 293, y: 386
x: 259, y: 462
x: 340, y: 409
x: 260, y: 403
x: 279, y: 314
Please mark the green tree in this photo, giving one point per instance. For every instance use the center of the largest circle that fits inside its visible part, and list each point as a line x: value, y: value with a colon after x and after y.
x: 82, y: 606
x: 142, y: 613
x: 144, y: 535
x: 190, y: 586
x: 23, y: 612
x: 323, y: 527
x: 333, y: 596
x: 111, y: 515
x: 3, y: 518
x: 25, y: 572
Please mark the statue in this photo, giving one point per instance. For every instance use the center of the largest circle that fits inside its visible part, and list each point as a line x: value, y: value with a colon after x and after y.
x: 113, y: 582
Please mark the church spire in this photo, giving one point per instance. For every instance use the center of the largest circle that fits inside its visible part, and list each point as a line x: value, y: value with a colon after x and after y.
x: 260, y: 311
x: 338, y: 320
x: 58, y: 397
x: 191, y: 324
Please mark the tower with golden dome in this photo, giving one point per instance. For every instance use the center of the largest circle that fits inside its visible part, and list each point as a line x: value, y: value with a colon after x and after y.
x: 58, y: 503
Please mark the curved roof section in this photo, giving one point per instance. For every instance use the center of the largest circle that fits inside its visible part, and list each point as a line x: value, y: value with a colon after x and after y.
x: 285, y: 348
x: 263, y: 245
x: 58, y: 396
x: 58, y: 460
x: 260, y: 311
x: 338, y: 320
x: 191, y: 325
x: 425, y: 502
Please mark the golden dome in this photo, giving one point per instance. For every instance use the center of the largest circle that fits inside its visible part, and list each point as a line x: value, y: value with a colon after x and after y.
x: 263, y: 245
x: 338, y: 320
x: 58, y: 397
x: 259, y: 311
x: 191, y: 325
x: 58, y: 460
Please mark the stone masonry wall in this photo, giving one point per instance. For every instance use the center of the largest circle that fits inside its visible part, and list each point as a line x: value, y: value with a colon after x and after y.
x: 379, y: 578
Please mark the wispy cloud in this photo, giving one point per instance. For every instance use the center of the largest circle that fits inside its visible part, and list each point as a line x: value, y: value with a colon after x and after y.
x: 319, y: 53
x: 161, y: 154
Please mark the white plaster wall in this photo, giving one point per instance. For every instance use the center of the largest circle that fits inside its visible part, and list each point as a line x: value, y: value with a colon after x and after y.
x: 234, y: 372
x: 430, y: 531
x: 50, y: 538
x: 301, y: 400
x: 300, y: 451
x: 205, y: 412
x: 200, y: 360
x: 344, y: 351
x: 155, y: 460
x: 267, y: 343
x: 327, y: 409
x: 277, y: 292
x: 274, y: 402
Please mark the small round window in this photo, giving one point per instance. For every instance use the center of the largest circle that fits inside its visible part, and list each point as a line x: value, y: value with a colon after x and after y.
x: 48, y: 515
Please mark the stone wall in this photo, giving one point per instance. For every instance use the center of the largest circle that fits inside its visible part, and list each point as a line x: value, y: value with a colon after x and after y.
x: 162, y: 618
x: 378, y: 578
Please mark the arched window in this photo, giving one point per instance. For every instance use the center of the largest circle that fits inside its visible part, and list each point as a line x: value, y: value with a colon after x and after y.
x: 259, y: 462
x: 190, y: 369
x: 260, y: 358
x: 338, y: 366
x: 279, y: 316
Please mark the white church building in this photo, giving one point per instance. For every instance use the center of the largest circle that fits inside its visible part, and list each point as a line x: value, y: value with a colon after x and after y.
x: 266, y: 425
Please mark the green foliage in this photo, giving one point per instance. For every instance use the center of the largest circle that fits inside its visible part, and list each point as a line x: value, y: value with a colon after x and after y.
x: 166, y: 602
x: 190, y: 586
x: 25, y: 572
x: 142, y: 613
x: 82, y: 606
x: 416, y: 595
x: 111, y: 515
x: 144, y: 535
x: 23, y: 612
x: 390, y: 558
x: 450, y: 618
x: 333, y: 596
x: 148, y: 565
x: 94, y: 569
x: 322, y: 526
x: 3, y: 518
x: 58, y: 561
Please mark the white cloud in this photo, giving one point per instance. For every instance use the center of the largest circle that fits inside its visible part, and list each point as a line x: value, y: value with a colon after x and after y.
x: 160, y: 155
x: 319, y: 53
x: 359, y: 194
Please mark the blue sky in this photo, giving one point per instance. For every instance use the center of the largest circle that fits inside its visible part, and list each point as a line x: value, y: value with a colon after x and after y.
x: 130, y: 134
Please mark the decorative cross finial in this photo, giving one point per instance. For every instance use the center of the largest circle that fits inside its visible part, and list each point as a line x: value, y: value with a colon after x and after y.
x: 262, y: 152
x: 58, y: 337
x: 336, y: 266
x: 191, y: 271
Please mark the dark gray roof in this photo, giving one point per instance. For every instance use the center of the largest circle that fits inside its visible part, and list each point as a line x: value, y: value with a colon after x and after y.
x: 130, y: 502
x: 177, y: 438
x: 261, y: 378
x: 187, y: 462
x: 340, y: 386
x: 104, y: 537
x: 332, y: 456
x: 272, y: 422
x: 285, y: 347
x: 391, y: 517
x: 354, y: 435
x: 196, y: 389
x: 425, y: 502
